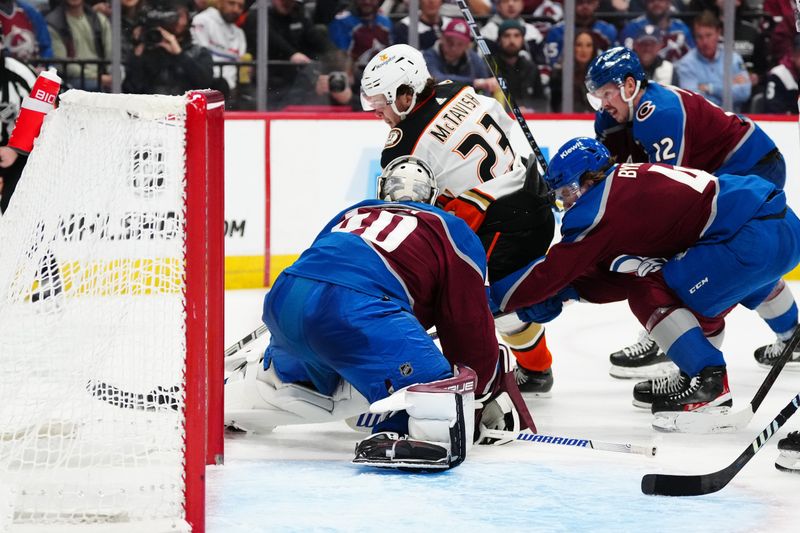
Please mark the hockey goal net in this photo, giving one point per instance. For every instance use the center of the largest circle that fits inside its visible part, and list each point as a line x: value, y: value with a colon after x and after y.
x: 111, y: 316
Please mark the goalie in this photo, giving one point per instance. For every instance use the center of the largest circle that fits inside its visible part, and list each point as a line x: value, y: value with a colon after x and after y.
x: 349, y: 320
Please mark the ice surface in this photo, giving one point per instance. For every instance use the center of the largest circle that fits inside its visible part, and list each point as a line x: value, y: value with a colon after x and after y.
x: 300, y: 478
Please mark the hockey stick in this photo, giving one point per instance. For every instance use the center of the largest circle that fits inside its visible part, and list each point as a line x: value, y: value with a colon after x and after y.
x: 524, y: 436
x: 163, y: 398
x: 718, y: 421
x: 483, y: 48
x: 366, y: 421
x: 675, y: 485
x: 247, y: 339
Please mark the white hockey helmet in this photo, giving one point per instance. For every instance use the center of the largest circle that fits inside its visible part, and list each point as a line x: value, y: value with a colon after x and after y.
x: 408, y: 179
x: 397, y: 65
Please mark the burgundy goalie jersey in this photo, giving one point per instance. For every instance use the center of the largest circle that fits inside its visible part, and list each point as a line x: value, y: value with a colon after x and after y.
x: 427, y: 261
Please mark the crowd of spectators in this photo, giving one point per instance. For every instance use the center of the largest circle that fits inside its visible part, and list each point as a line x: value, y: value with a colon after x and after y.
x: 318, y: 48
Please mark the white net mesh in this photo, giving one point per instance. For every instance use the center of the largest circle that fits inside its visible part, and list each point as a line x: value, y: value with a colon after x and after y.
x: 92, y: 317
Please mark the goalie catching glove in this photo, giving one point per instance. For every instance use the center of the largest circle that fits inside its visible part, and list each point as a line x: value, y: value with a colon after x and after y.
x: 503, y: 408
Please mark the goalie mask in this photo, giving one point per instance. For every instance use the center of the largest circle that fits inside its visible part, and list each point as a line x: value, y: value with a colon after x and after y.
x: 408, y: 179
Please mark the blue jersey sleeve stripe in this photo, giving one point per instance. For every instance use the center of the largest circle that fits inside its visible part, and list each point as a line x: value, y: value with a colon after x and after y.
x: 463, y: 255
x: 713, y: 214
x: 680, y: 139
x: 513, y: 284
x: 750, y: 130
x: 576, y: 221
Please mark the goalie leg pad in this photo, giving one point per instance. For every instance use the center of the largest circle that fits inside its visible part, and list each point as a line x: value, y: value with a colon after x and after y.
x: 260, y: 401
x: 440, y: 413
x: 390, y: 450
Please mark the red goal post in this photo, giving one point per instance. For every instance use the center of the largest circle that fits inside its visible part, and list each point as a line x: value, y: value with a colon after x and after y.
x: 205, y: 293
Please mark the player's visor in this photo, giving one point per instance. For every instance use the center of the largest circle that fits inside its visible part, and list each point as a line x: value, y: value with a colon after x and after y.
x: 376, y: 102
x: 599, y: 96
x: 565, y: 197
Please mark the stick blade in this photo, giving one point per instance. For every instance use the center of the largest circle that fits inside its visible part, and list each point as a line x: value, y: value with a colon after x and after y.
x: 715, y: 420
x: 675, y: 485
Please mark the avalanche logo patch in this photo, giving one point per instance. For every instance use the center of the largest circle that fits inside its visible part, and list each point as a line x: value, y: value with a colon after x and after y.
x: 645, y: 110
x: 394, y: 137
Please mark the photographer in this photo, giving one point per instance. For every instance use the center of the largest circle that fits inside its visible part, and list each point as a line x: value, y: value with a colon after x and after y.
x: 314, y: 73
x: 166, y: 61
x: 133, y: 14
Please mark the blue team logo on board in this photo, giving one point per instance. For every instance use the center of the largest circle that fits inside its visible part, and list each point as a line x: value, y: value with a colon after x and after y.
x: 645, y: 110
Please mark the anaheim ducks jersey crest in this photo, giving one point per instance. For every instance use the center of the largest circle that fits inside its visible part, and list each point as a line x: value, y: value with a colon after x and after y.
x: 460, y: 134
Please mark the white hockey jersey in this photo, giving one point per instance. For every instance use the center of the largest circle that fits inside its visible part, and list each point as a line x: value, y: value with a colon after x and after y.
x: 464, y: 137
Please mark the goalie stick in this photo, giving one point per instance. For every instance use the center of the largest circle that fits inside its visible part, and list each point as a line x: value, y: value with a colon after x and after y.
x: 366, y: 421
x: 537, y: 438
x: 486, y: 54
x: 677, y: 485
x: 714, y: 421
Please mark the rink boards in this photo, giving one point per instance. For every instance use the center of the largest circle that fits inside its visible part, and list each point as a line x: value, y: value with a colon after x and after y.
x: 288, y: 174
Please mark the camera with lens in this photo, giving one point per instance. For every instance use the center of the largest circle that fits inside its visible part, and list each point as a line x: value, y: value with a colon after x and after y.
x: 337, y: 82
x: 161, y: 14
